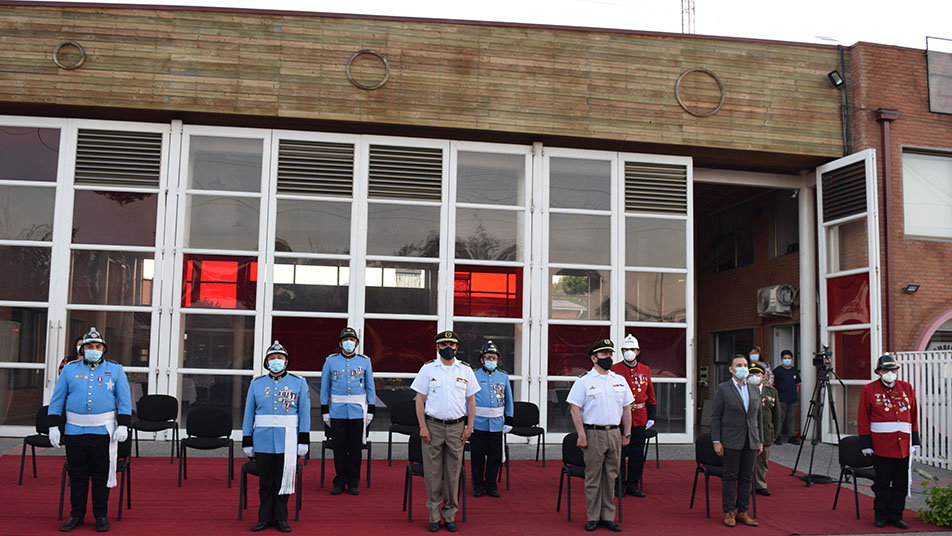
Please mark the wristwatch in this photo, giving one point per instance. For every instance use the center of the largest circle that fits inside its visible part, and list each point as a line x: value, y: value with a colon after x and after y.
x: 626, y: 435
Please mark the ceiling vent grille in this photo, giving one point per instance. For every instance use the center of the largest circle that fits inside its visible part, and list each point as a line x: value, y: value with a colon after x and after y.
x: 844, y: 191
x: 315, y: 168
x: 658, y: 188
x: 406, y: 173
x: 117, y: 158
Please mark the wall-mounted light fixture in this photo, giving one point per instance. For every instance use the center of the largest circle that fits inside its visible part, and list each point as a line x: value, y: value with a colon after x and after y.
x: 910, y: 288
x: 835, y: 78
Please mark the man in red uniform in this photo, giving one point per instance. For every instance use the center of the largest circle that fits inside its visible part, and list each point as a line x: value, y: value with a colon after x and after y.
x: 638, y: 376
x: 889, y: 431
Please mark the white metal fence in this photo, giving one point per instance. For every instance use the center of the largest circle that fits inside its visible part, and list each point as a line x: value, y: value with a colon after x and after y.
x: 930, y: 373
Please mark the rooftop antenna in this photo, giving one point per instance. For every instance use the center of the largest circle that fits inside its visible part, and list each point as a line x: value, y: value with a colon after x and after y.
x: 687, y: 16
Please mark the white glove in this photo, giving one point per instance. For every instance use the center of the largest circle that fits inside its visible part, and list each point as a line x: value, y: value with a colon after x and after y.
x: 367, y: 418
x: 55, y: 437
x: 302, y: 450
x: 249, y: 452
x: 867, y: 452
x: 121, y: 434
x: 649, y: 424
x: 506, y: 428
x: 327, y: 420
x: 914, y: 449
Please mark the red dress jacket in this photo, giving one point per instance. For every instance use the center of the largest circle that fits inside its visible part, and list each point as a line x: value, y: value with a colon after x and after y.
x: 887, y: 420
x: 639, y: 380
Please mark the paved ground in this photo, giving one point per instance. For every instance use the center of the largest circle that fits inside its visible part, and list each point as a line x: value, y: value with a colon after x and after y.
x: 823, y: 455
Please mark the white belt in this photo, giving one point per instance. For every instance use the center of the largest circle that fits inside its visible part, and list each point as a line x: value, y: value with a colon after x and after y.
x: 290, y: 425
x: 889, y: 427
x: 360, y: 400
x: 108, y: 420
x: 489, y: 412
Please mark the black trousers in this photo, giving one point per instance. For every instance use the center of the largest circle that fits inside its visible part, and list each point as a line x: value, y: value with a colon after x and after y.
x: 273, y: 507
x: 634, y: 455
x: 890, y: 487
x: 348, y: 440
x: 486, y: 454
x: 738, y: 478
x: 88, y: 458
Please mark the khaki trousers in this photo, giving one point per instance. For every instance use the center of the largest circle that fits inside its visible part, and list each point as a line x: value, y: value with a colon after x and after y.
x: 602, y: 461
x: 442, y: 461
x: 760, y: 469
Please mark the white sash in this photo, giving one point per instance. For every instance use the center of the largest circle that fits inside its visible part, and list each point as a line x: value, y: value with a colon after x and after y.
x: 489, y: 412
x: 889, y: 427
x: 108, y: 420
x: 360, y: 400
x: 290, y: 425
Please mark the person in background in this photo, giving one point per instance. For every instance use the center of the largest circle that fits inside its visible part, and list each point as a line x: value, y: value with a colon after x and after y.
x: 643, y: 411
x: 494, y: 409
x: 787, y: 382
x: 771, y: 424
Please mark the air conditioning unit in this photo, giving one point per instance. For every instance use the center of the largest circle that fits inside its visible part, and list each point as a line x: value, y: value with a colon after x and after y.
x: 776, y: 300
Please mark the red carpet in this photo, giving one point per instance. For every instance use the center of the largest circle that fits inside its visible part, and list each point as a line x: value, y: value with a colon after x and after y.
x: 204, y: 505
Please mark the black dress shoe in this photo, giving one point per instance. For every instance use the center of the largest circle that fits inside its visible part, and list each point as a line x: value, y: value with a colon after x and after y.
x: 283, y: 526
x: 433, y: 527
x: 900, y: 524
x: 451, y: 526
x: 102, y: 524
x: 765, y: 492
x: 478, y: 493
x: 337, y: 490
x: 71, y: 524
x: 260, y: 526
x: 493, y: 493
x: 610, y: 525
x: 879, y: 523
x: 590, y: 526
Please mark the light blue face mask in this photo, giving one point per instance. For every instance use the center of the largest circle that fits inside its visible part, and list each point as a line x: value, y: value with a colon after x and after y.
x: 348, y: 346
x: 93, y: 356
x: 490, y: 365
x: 741, y: 372
x: 276, y: 365
x: 787, y: 362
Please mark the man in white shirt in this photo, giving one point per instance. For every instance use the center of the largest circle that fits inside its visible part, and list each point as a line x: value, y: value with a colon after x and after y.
x: 599, y: 400
x: 446, y: 398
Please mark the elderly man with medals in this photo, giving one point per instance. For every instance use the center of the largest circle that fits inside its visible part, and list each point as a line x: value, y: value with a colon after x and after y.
x: 275, y: 432
x: 93, y: 395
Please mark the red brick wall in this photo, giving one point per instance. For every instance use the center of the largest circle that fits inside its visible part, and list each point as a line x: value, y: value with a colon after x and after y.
x: 881, y: 76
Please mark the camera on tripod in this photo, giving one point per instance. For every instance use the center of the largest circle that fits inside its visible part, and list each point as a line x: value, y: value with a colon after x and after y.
x: 823, y: 359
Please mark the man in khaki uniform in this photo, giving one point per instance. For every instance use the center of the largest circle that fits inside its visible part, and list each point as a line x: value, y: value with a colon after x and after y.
x: 446, y: 398
x: 600, y: 399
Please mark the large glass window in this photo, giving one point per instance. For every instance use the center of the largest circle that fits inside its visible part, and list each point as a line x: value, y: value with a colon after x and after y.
x: 927, y: 194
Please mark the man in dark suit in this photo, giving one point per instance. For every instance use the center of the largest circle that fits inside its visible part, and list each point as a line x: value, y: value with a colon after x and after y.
x: 739, y: 437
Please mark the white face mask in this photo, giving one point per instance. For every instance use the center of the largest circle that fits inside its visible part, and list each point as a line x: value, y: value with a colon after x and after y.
x: 889, y: 377
x: 630, y: 356
x: 755, y: 379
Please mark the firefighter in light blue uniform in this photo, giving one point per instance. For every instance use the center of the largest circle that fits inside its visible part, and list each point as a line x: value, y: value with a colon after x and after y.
x: 92, y: 397
x: 493, y: 421
x: 275, y: 431
x: 348, y: 402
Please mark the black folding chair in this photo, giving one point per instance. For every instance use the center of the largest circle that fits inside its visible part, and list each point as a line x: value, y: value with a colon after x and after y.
x: 853, y: 465
x: 208, y: 428
x: 155, y: 413
x: 403, y: 420
x: 709, y: 463
x: 123, y: 467
x: 525, y: 423
x: 328, y: 443
x: 573, y: 465
x: 415, y: 468
x: 40, y: 439
x: 251, y: 468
